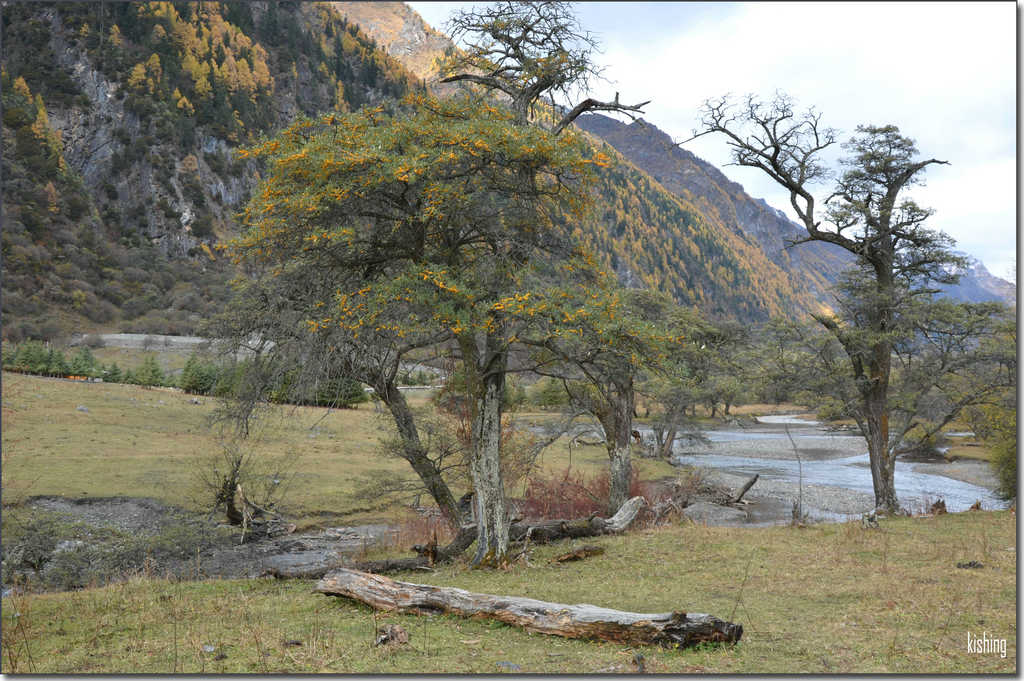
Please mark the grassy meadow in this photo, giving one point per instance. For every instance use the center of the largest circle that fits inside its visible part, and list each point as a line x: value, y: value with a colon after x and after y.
x: 147, y: 442
x: 824, y: 599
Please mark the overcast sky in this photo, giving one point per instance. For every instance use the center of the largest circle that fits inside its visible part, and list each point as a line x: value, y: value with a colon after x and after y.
x: 944, y: 72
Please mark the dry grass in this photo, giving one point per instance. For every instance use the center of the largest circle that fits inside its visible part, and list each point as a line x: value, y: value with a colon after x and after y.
x: 171, y: 360
x: 825, y: 599
x: 145, y: 442
x: 969, y: 449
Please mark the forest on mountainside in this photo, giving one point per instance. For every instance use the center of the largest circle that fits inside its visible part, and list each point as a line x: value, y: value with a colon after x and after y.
x: 120, y: 123
x: 121, y: 126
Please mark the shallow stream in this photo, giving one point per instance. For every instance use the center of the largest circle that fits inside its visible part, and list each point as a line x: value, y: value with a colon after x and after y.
x: 825, y: 459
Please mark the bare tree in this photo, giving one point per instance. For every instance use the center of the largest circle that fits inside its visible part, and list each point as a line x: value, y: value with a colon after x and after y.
x: 530, y: 51
x: 898, y: 260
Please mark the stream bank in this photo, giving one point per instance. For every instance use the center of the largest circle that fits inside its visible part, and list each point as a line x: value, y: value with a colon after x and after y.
x: 795, y: 456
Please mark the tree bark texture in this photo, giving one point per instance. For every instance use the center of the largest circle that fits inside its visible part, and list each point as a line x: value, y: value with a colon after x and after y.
x: 669, y: 629
x: 617, y: 421
x: 485, y: 379
x: 875, y: 397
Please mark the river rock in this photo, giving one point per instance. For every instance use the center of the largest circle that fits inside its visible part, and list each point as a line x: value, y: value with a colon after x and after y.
x: 713, y: 514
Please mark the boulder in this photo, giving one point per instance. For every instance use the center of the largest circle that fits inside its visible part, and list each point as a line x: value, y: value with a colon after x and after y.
x: 713, y: 514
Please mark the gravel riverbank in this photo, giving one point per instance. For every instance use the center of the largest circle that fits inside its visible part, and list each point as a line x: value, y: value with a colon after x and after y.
x: 834, y: 468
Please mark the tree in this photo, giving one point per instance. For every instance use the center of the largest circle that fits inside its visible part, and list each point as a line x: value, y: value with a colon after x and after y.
x: 528, y: 52
x: 150, y: 373
x: 524, y: 52
x: 113, y: 374
x: 419, y: 224
x: 425, y: 218
x: 691, y: 375
x: 57, y: 364
x: 599, y: 342
x: 269, y: 318
x: 884, y: 303
x: 197, y: 376
x: 83, y: 363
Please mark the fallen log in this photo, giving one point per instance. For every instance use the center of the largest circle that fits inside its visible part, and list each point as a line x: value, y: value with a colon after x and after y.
x: 584, y: 621
x: 750, y: 483
x: 539, y: 533
x: 553, y: 530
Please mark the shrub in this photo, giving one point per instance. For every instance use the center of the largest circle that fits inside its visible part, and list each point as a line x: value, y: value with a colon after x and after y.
x: 1002, y: 426
x: 37, y: 539
x: 571, y: 494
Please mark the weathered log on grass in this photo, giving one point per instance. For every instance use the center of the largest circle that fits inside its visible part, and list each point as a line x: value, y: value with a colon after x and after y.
x: 463, y: 540
x: 553, y: 530
x: 539, y: 533
x: 584, y: 621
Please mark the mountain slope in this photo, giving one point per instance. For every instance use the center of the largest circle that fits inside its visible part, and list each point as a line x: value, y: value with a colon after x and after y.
x: 812, y: 267
x: 400, y: 32
x: 120, y: 121
x: 651, y: 238
x: 815, y: 265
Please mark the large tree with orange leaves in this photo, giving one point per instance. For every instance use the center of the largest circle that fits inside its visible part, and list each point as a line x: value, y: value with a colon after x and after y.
x: 445, y: 215
x: 418, y: 224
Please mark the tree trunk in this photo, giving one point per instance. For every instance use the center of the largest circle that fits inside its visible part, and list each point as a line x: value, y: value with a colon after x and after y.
x: 485, y: 379
x: 876, y: 415
x: 883, y: 467
x: 665, y: 443
x: 414, y: 452
x: 670, y: 629
x: 620, y: 472
x: 617, y: 421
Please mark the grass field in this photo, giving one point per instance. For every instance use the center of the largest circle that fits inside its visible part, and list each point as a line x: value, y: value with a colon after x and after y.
x: 824, y: 599
x: 147, y: 442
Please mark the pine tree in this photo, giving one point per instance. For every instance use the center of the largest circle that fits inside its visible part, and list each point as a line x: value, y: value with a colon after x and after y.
x: 150, y: 373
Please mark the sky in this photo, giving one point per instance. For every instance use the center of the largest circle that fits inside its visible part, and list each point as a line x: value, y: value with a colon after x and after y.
x: 943, y: 72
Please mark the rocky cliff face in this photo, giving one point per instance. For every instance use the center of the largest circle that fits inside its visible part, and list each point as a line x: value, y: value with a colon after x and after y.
x: 121, y: 122
x: 400, y: 31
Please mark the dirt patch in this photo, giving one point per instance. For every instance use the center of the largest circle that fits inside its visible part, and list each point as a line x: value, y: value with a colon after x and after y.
x: 124, y: 514
x: 59, y: 543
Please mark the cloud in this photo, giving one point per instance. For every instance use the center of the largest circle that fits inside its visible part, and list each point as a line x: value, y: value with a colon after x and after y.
x: 944, y: 72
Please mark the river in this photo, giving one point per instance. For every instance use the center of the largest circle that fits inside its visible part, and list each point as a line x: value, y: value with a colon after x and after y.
x: 835, y: 461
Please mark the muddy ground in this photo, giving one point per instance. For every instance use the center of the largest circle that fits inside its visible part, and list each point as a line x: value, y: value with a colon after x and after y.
x: 61, y: 543
x: 58, y: 543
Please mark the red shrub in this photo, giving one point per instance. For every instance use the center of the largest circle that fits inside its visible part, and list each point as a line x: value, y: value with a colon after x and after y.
x: 571, y: 494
